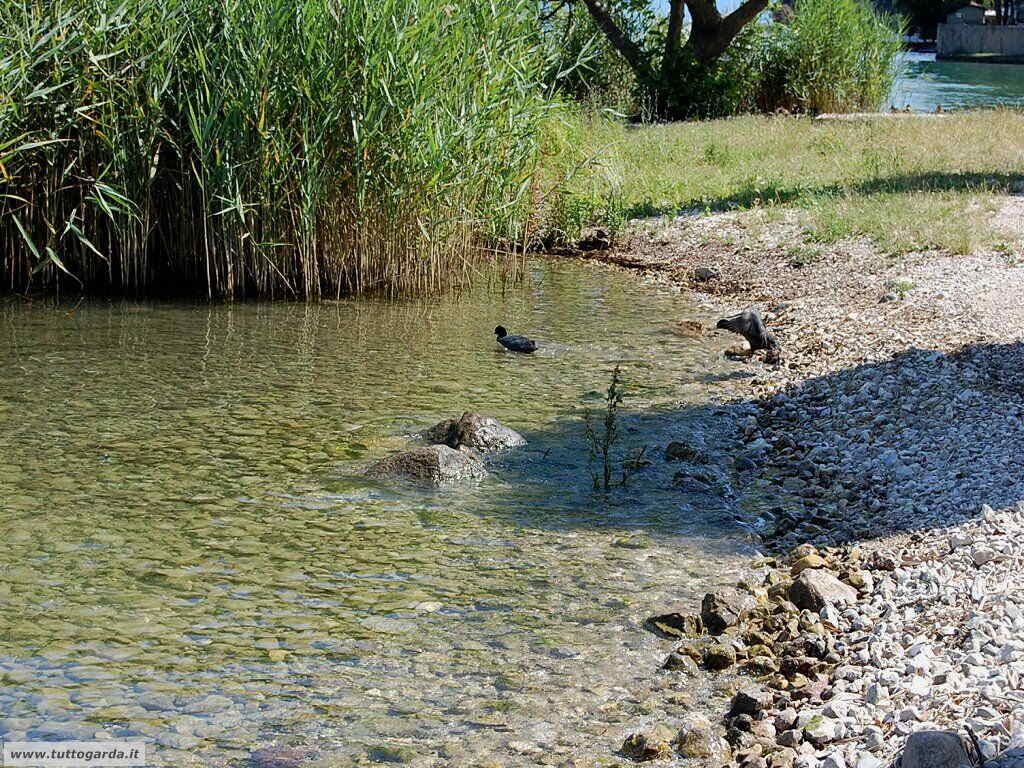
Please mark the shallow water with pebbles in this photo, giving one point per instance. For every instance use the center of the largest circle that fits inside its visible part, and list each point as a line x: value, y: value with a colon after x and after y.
x: 191, y: 558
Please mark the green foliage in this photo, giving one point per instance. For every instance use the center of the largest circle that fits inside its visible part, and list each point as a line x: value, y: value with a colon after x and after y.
x: 821, y: 55
x: 583, y: 66
x: 264, y: 147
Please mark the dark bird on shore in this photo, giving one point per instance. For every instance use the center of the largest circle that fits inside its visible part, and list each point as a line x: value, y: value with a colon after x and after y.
x: 515, y: 343
x: 749, y: 325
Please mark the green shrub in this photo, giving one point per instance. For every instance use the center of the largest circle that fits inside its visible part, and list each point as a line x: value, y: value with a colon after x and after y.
x: 831, y: 56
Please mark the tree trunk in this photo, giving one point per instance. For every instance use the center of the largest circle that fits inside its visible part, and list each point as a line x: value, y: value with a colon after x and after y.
x: 710, y: 36
x: 710, y: 33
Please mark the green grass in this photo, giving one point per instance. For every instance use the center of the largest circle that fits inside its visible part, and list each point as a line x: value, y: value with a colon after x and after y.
x: 907, y: 184
x: 264, y: 147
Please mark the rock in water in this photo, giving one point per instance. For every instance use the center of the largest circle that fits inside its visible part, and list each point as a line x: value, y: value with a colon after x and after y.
x: 697, y: 738
x: 934, y: 749
x: 281, y: 757
x: 724, y: 608
x: 481, y: 433
x: 652, y: 744
x: 677, y: 451
x: 430, y: 464
x: 814, y: 588
x: 719, y: 656
x: 674, y: 623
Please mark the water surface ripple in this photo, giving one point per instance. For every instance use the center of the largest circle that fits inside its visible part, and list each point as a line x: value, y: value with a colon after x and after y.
x: 191, y: 557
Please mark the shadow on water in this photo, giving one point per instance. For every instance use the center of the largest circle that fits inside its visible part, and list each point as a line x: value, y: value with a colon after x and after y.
x: 878, y: 449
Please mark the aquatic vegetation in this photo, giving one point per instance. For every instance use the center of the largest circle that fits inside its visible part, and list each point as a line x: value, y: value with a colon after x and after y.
x: 603, y: 437
x: 264, y: 147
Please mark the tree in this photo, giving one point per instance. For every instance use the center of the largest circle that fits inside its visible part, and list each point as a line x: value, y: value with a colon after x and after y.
x: 664, y: 73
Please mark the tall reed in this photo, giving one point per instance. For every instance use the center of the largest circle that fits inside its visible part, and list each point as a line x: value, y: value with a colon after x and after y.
x: 264, y: 147
x: 831, y: 56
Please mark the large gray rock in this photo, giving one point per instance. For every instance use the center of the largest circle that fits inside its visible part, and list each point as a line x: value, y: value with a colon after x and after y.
x: 724, y: 608
x: 429, y: 464
x: 472, y: 430
x: 814, y: 588
x: 934, y: 749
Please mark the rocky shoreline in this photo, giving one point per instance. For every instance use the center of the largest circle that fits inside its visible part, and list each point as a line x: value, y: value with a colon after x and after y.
x: 846, y: 652
x: 893, y: 436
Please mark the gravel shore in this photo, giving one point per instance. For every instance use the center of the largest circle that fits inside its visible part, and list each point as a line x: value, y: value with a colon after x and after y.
x: 893, y: 436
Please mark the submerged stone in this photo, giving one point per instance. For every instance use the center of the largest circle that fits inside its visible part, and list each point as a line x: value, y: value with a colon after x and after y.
x: 698, y: 738
x: 430, y: 464
x: 719, y: 656
x: 281, y: 757
x: 674, y: 623
x: 651, y: 744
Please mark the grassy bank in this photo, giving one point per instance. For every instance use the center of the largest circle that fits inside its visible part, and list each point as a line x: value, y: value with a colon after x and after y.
x: 907, y: 184
x: 263, y: 147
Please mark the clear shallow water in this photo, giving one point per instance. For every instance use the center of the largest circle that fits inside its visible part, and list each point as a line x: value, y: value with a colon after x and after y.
x: 926, y: 84
x: 192, y: 558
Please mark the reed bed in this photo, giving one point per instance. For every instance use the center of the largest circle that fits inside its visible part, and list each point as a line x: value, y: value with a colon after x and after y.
x: 271, y: 148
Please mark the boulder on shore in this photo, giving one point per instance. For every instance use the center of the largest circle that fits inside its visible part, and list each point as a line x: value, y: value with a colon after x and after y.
x: 429, y: 464
x: 473, y: 430
x: 815, y: 587
x: 934, y: 749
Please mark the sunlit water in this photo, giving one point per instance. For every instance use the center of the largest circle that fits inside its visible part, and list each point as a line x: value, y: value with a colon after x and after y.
x: 191, y: 557
x: 926, y: 84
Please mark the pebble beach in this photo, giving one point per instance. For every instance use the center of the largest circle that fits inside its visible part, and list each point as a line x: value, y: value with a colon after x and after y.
x: 889, y: 600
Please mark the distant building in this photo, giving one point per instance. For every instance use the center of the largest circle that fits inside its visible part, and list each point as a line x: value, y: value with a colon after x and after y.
x: 972, y: 13
x: 970, y: 32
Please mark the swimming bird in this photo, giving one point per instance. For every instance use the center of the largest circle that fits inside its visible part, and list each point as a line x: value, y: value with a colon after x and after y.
x: 749, y: 325
x: 515, y: 343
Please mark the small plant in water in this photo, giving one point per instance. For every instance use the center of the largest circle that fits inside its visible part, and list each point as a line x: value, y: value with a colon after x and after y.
x: 605, y: 435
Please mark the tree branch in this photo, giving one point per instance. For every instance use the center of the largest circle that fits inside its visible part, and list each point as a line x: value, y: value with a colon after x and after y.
x: 672, y: 38
x: 555, y: 8
x: 631, y: 52
x: 704, y: 13
x: 738, y: 19
x: 710, y: 34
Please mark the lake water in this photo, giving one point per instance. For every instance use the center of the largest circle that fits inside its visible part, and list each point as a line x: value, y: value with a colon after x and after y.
x: 926, y: 84
x: 192, y: 558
